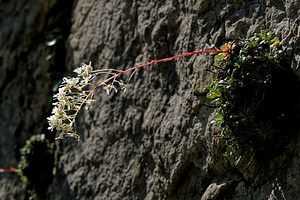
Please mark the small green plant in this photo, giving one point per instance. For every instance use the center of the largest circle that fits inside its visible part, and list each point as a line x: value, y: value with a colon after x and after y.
x: 36, y: 165
x: 244, y: 92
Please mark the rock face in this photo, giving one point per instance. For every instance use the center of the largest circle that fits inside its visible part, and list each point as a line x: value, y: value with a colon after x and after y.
x: 155, y: 141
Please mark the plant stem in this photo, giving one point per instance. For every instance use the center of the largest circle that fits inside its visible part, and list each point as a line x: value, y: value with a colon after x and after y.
x: 9, y: 170
x: 139, y: 66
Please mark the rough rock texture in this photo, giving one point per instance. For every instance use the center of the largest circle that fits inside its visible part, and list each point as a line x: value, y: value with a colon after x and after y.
x: 154, y: 141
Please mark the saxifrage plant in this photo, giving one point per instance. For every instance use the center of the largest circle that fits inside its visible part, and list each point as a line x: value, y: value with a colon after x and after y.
x: 248, y: 93
x: 246, y: 72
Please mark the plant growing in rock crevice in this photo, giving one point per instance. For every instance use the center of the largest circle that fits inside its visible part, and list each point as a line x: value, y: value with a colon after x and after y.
x: 251, y: 94
x: 36, y: 166
x: 248, y: 74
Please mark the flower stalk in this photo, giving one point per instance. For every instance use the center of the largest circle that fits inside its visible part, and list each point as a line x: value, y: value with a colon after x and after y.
x: 72, y: 94
x: 10, y: 170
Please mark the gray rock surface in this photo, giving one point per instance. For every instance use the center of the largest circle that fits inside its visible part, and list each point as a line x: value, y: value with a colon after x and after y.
x: 154, y: 141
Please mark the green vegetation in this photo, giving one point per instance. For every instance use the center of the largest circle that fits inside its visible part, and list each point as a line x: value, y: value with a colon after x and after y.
x: 36, y: 166
x: 250, y: 94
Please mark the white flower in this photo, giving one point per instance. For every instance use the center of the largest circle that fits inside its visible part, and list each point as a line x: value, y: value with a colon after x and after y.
x: 55, y: 121
x: 61, y: 93
x: 78, y: 88
x: 73, y: 135
x: 64, y: 135
x: 85, y: 70
x: 122, y: 85
x: 65, y: 128
x: 57, y: 112
x: 70, y: 82
x: 88, y: 102
x: 78, y: 70
x: 52, y: 120
x: 89, y: 67
x: 61, y: 136
x: 109, y: 87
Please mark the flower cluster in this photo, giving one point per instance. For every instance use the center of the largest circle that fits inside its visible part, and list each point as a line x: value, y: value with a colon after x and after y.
x: 73, y: 93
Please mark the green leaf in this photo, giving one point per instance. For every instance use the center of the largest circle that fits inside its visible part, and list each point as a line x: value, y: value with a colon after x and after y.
x: 274, y: 40
x: 219, y: 56
x: 50, y: 56
x: 263, y: 34
x: 216, y: 65
x: 269, y: 35
x: 237, y: 160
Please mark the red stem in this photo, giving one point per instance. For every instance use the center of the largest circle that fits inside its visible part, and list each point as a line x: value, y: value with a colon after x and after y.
x: 9, y: 170
x: 150, y: 63
x: 157, y: 61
